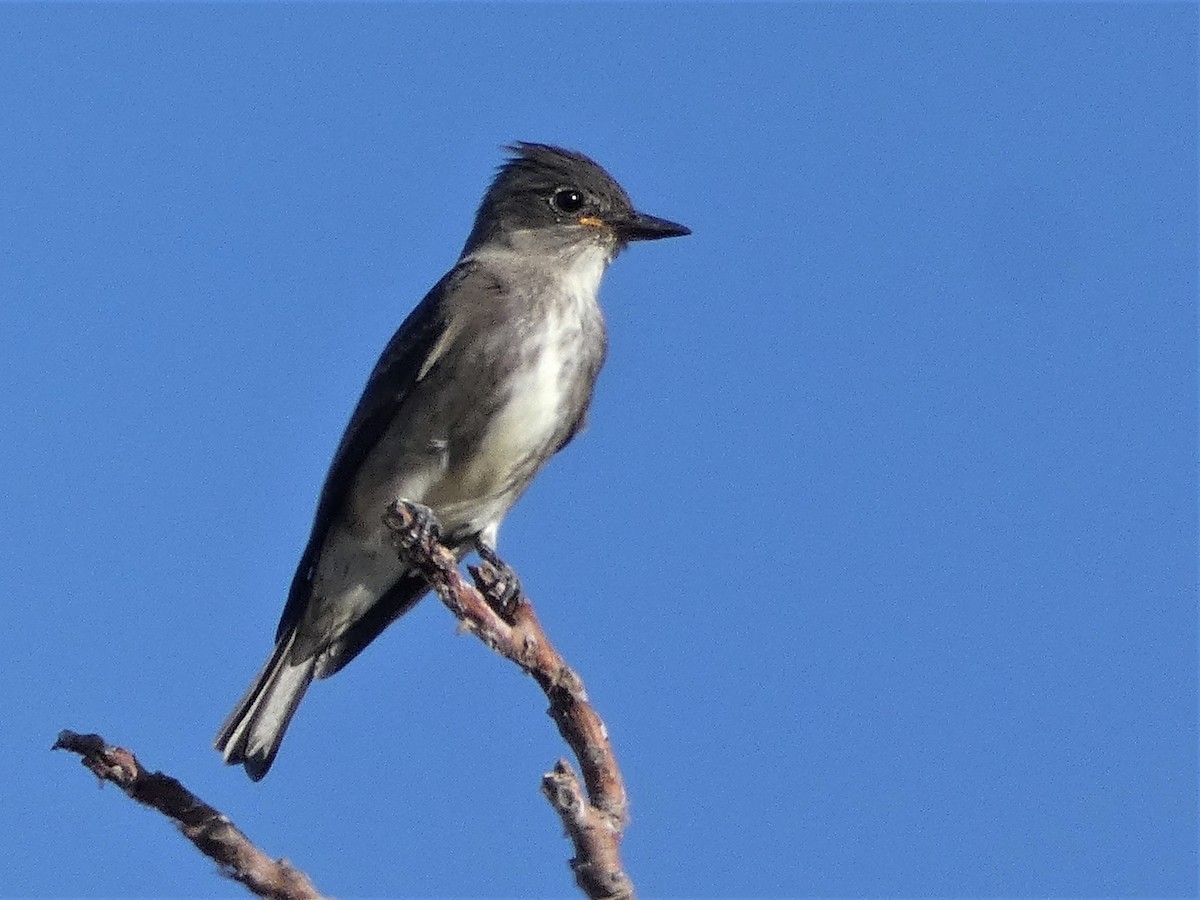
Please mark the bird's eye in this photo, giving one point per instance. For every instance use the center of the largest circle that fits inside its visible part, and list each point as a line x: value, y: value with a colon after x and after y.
x: 567, y: 200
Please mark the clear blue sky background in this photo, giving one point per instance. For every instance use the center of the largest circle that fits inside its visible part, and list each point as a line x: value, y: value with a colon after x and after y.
x: 878, y: 557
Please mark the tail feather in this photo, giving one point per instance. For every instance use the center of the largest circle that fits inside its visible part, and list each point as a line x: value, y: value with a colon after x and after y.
x: 254, y: 730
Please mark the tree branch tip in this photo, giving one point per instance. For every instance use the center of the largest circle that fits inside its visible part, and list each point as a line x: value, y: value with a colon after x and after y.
x: 209, y: 830
x: 561, y: 787
x: 79, y: 743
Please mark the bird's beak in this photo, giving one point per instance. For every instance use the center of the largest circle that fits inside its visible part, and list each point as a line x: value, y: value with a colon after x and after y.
x: 641, y: 227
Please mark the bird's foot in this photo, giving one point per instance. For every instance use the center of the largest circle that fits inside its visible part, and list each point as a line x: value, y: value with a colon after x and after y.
x: 412, y: 525
x: 497, y: 581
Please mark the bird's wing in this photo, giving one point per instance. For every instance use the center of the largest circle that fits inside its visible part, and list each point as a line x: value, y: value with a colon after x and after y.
x: 419, y: 341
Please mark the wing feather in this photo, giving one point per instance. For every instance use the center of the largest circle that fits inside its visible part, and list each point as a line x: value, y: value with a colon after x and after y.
x: 406, y: 359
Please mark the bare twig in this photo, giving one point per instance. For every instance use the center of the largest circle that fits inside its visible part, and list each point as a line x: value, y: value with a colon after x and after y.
x: 211, y: 831
x: 595, y: 822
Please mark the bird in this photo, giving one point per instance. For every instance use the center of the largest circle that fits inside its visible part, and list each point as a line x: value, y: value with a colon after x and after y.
x: 489, y: 376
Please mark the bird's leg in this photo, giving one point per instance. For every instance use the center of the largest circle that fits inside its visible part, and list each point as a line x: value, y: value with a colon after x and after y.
x: 501, y: 587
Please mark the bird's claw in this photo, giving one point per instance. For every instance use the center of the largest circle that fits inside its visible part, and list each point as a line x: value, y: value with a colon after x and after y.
x: 501, y: 586
x: 412, y: 524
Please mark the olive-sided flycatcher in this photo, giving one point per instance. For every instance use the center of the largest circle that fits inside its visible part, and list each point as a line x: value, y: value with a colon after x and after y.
x: 487, y: 378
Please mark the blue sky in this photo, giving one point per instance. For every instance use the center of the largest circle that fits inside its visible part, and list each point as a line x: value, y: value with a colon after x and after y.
x: 878, y: 556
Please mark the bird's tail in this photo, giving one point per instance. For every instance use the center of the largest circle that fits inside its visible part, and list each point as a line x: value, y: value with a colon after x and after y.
x: 252, y: 733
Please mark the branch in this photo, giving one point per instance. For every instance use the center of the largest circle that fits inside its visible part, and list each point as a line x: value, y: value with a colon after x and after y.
x: 211, y: 831
x: 508, y: 625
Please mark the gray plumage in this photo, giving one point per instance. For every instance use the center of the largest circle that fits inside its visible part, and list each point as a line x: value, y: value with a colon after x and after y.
x: 487, y: 378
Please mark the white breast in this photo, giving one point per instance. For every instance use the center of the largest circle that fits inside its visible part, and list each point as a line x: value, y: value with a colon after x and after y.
x: 533, y: 416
